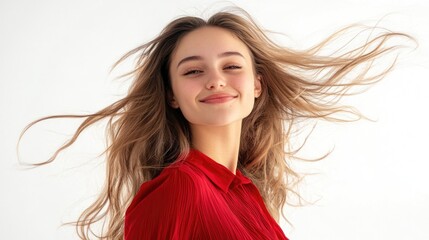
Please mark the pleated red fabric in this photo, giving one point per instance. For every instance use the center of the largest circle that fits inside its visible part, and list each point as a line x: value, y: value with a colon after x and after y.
x: 198, y: 198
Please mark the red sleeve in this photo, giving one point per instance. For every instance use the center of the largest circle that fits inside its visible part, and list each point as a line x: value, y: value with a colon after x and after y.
x: 164, y: 208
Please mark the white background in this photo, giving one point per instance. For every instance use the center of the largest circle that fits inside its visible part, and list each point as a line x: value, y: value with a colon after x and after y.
x: 55, y: 58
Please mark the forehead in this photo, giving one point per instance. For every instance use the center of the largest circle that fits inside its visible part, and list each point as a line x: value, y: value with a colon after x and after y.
x: 208, y: 41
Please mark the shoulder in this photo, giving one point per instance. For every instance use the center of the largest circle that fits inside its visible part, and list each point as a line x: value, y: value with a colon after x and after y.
x: 165, y: 206
x: 174, y: 183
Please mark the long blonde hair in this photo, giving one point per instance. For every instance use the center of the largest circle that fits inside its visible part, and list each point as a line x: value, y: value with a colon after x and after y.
x: 145, y: 134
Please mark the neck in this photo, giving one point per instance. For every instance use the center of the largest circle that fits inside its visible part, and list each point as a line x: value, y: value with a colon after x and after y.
x: 220, y: 143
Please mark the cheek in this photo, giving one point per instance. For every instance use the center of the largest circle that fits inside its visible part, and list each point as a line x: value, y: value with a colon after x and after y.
x: 185, y: 91
x: 246, y: 85
x: 185, y: 95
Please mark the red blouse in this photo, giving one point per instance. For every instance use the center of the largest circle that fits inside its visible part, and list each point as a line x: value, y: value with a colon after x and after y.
x: 198, y: 198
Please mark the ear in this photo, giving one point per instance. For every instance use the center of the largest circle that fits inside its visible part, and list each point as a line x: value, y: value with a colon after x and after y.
x: 258, y: 88
x: 172, y: 100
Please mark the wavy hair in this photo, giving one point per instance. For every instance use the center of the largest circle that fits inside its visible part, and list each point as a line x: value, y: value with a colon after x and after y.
x: 145, y: 134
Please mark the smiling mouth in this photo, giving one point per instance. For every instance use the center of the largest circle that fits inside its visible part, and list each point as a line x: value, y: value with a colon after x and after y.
x: 217, y: 98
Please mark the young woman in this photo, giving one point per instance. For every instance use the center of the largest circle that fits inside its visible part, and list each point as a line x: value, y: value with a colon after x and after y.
x: 197, y: 147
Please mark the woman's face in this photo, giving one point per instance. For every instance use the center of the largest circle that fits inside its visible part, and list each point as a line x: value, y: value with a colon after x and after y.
x: 213, y: 78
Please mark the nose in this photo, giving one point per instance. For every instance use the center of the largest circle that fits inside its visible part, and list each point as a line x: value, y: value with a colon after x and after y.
x: 215, y: 80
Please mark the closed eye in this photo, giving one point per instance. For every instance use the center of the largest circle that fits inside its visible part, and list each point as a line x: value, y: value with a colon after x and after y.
x: 192, y: 72
x: 232, y: 67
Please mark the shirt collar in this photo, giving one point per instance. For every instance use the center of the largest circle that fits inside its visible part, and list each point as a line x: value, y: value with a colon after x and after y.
x: 216, y: 172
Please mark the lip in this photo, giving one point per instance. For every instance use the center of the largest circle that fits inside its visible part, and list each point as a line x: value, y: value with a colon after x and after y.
x: 217, y: 98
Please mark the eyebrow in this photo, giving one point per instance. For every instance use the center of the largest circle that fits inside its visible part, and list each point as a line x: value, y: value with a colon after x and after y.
x: 224, y: 54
